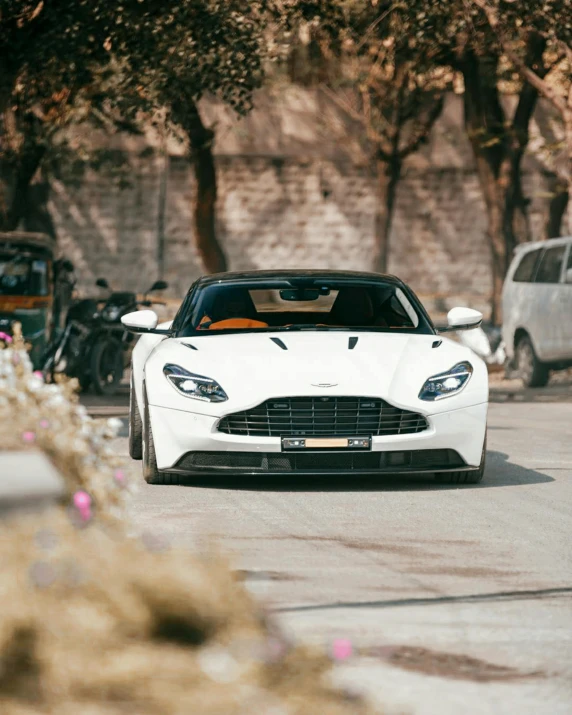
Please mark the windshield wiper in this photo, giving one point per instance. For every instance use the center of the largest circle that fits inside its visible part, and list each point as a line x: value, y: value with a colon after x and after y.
x: 303, y: 326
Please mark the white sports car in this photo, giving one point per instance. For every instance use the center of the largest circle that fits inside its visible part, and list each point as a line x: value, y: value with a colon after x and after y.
x: 305, y: 372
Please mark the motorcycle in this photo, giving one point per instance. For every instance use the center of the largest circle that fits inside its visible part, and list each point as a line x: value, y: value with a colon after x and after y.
x: 112, y: 345
x: 94, y: 347
x: 70, y: 353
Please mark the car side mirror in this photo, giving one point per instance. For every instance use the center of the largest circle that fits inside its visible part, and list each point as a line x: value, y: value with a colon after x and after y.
x: 142, y: 321
x: 461, y: 319
x: 159, y: 285
x: 102, y: 283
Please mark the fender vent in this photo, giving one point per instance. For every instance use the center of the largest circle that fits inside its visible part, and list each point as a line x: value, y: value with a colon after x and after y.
x: 352, y: 343
x: 279, y: 343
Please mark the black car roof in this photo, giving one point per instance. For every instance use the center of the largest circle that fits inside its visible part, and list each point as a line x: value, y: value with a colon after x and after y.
x: 298, y: 272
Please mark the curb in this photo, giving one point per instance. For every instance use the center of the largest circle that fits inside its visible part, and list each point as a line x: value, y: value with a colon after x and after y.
x: 28, y: 481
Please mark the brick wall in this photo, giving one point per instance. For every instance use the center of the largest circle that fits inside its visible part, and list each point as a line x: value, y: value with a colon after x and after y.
x: 294, y: 210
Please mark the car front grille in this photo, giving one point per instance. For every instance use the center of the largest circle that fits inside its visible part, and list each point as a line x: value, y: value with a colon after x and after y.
x: 323, y: 416
x: 330, y: 462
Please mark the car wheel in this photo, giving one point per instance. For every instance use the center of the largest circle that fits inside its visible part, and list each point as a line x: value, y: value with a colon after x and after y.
x: 106, y: 366
x: 150, y: 472
x: 465, y: 477
x: 531, y: 371
x: 135, y: 426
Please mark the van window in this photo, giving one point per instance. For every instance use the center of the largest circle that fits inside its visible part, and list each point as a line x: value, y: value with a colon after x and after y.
x: 525, y: 269
x: 550, y: 268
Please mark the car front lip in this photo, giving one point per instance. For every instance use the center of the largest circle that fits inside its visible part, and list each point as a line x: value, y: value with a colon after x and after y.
x: 313, y: 462
x: 176, y: 433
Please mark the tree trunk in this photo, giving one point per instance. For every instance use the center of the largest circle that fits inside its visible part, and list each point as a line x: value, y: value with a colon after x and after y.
x: 568, y: 139
x: 556, y: 207
x: 37, y: 217
x: 498, y: 147
x: 17, y: 171
x: 17, y: 186
x: 388, y: 175
x: 495, y: 203
x: 201, y: 141
x: 516, y: 221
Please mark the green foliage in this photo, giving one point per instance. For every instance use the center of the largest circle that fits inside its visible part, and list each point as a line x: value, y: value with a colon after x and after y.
x: 160, y: 49
x: 71, y: 61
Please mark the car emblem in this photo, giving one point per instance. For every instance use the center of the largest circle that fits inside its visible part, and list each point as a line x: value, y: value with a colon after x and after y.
x: 325, y: 384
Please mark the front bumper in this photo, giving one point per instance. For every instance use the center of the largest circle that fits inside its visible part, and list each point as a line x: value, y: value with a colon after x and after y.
x: 181, y: 437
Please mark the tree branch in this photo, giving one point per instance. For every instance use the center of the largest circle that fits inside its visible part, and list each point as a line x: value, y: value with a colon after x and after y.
x: 375, y: 137
x: 542, y: 87
x: 424, y: 127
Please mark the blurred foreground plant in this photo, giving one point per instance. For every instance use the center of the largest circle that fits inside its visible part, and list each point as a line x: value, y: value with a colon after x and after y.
x: 97, y: 623
x: 93, y: 623
x: 34, y: 415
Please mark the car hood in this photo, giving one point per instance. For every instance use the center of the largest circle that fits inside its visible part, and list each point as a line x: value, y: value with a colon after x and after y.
x: 254, y: 367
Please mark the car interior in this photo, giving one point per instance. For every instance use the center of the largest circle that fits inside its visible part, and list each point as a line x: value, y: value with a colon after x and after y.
x: 232, y: 307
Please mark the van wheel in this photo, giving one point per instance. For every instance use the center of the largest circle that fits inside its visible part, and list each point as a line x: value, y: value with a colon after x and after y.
x: 531, y: 371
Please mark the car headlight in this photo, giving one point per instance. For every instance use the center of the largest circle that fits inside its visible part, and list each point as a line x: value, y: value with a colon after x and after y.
x: 446, y: 383
x: 197, y: 387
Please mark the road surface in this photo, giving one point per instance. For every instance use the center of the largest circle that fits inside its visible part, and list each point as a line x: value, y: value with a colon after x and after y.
x: 456, y: 599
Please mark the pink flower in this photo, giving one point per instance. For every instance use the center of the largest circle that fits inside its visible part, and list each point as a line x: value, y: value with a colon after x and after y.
x: 342, y: 649
x: 119, y: 476
x: 5, y: 337
x: 82, y: 502
x: 29, y: 437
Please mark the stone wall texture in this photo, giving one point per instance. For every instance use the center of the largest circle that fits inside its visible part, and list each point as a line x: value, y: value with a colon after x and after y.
x: 282, y: 209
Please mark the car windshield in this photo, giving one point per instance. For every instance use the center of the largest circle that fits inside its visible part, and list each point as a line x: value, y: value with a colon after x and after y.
x: 23, y: 275
x: 301, y: 303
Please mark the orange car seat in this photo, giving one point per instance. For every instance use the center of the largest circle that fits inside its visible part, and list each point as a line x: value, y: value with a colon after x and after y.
x: 237, y: 323
x: 233, y: 308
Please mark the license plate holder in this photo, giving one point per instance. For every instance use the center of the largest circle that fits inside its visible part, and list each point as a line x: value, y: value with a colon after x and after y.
x: 302, y: 443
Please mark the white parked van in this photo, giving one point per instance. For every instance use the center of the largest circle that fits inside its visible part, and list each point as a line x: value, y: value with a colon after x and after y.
x: 537, y: 310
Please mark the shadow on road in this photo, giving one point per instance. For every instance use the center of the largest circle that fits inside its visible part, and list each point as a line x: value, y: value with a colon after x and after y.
x: 557, y: 392
x: 500, y: 472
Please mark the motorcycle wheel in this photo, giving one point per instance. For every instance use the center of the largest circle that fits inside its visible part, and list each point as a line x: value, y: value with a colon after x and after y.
x: 106, y: 366
x: 84, y: 382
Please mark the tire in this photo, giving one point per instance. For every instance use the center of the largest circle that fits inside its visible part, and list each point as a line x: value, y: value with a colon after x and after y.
x: 84, y: 382
x: 135, y: 426
x: 106, y: 365
x: 465, y: 477
x: 530, y: 370
x: 150, y: 472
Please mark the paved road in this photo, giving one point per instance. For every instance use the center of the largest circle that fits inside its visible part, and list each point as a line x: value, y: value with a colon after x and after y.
x: 457, y: 599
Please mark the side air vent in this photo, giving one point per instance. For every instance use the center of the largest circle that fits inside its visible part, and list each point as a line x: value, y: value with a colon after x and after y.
x: 189, y: 345
x: 436, y: 343
x: 279, y: 343
x: 352, y: 343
